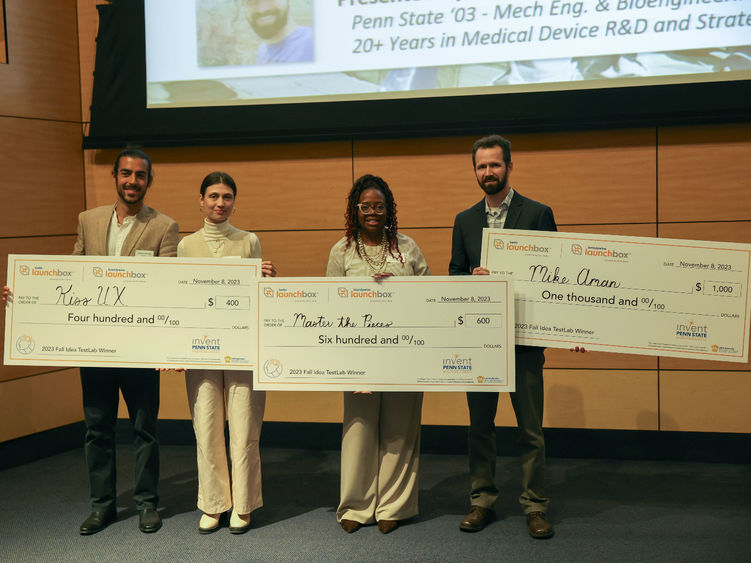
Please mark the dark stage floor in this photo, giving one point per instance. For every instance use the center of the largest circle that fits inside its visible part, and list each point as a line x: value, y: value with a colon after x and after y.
x: 603, y: 510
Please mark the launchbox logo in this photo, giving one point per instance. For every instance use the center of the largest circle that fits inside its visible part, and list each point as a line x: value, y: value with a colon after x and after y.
x: 515, y: 246
x: 366, y: 293
x: 284, y: 293
x: 606, y: 252
x: 41, y: 272
x: 121, y: 273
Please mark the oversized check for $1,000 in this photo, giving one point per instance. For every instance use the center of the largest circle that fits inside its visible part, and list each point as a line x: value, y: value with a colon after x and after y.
x: 652, y: 296
x: 118, y: 311
x: 432, y: 333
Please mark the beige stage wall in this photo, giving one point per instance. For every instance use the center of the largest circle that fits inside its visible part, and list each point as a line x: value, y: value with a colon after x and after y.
x: 676, y: 182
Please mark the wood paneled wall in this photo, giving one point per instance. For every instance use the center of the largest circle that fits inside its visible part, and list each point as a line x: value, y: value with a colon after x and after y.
x: 42, y: 184
x: 617, y: 182
x: 677, y: 182
x: 3, y: 54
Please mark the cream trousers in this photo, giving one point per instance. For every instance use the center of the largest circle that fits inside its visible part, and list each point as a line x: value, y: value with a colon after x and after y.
x: 380, y: 456
x: 214, y: 395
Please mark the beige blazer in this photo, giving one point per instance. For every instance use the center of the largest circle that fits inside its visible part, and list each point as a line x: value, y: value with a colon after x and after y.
x: 151, y: 230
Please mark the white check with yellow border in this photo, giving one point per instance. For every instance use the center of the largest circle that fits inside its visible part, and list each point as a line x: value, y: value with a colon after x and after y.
x: 651, y: 296
x: 117, y: 311
x: 432, y: 333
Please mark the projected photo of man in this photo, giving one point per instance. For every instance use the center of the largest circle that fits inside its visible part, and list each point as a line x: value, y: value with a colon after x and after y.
x: 253, y: 32
x: 283, y: 40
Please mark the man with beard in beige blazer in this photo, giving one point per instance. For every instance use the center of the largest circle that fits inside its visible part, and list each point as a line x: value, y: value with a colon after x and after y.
x: 128, y: 228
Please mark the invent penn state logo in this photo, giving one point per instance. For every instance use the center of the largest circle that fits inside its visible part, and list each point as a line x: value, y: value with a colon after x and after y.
x: 480, y: 379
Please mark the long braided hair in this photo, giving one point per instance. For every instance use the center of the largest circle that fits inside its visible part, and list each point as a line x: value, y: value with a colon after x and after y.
x: 352, y: 225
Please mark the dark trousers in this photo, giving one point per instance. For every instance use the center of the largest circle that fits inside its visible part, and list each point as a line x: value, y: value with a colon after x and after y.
x: 527, y: 401
x: 140, y: 388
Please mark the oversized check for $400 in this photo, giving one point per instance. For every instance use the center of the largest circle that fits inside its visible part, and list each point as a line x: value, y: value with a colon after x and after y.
x: 428, y: 333
x: 653, y: 296
x: 117, y: 311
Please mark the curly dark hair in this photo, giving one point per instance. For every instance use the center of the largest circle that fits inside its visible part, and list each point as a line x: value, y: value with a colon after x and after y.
x: 352, y: 225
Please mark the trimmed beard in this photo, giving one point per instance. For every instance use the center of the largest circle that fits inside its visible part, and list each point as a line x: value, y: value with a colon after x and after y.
x: 121, y: 196
x: 492, y: 190
x: 267, y: 31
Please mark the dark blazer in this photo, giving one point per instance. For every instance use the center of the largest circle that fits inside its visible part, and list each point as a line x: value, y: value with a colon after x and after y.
x: 466, y: 243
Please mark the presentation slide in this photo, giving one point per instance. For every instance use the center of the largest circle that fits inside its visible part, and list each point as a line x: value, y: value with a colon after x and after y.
x: 224, y: 52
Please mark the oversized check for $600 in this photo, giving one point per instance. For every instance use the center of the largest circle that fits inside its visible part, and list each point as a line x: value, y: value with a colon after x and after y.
x: 400, y: 334
x: 652, y: 296
x: 119, y: 311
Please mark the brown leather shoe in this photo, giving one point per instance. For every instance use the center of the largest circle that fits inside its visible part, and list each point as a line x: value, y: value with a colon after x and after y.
x: 97, y: 521
x: 387, y: 526
x: 538, y: 525
x: 349, y: 526
x: 149, y: 520
x: 477, y: 519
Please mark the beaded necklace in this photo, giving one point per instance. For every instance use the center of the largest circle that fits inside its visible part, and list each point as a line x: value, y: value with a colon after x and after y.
x: 375, y: 263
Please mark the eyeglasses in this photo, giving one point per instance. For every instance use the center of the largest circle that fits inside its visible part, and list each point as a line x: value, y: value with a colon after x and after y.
x: 378, y: 208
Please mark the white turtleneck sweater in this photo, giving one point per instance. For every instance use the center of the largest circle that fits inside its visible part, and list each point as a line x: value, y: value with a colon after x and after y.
x: 220, y: 241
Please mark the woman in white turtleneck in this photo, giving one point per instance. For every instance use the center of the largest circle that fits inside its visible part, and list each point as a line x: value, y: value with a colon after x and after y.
x: 214, y: 394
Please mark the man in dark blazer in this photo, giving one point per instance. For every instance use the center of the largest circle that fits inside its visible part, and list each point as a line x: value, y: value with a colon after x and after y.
x: 502, y: 207
x: 128, y: 228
